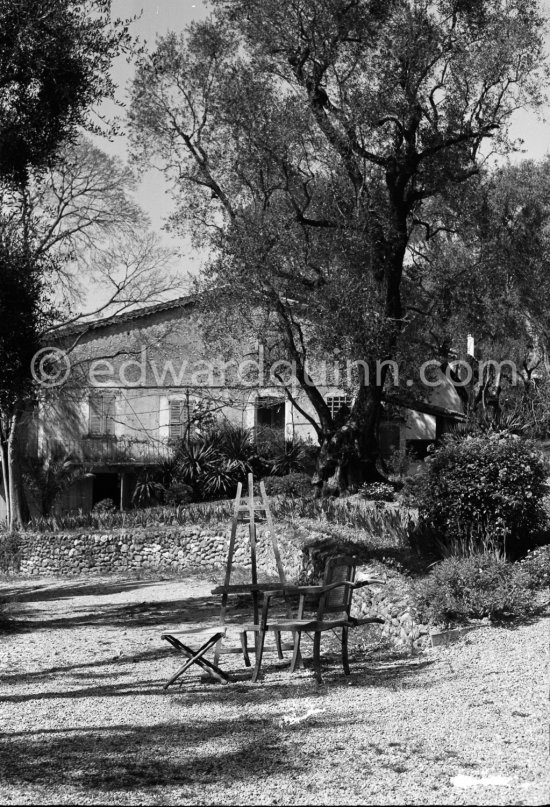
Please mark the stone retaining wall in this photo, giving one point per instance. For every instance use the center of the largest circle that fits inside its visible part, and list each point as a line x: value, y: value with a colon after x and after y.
x: 391, y: 602
x: 182, y: 548
x: 170, y: 549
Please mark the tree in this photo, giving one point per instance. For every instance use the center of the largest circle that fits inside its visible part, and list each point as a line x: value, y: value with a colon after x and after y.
x: 493, y: 281
x: 308, y: 144
x: 55, y: 58
x: 22, y: 313
x: 74, y: 220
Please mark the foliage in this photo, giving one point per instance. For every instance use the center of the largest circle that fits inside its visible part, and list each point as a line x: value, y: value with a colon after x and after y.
x: 237, y: 445
x: 44, y: 481
x: 411, y: 491
x: 148, y: 490
x: 279, y: 456
x: 104, y: 506
x: 54, y: 63
x: 378, y: 491
x: 483, y: 493
x: 322, y: 164
x: 391, y: 526
x: 459, y: 589
x: 205, y: 469
x: 293, y: 485
x: 214, y: 464
x: 178, y: 494
x: 10, y: 552
x: 21, y: 319
x: 536, y: 564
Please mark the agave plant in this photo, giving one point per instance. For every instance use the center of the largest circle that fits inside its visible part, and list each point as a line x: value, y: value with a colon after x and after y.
x: 202, y: 466
x: 148, y: 490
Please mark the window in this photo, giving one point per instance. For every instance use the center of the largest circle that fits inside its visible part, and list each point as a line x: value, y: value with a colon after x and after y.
x: 193, y: 415
x: 177, y: 419
x: 102, y: 413
x: 337, y: 402
x: 270, y: 413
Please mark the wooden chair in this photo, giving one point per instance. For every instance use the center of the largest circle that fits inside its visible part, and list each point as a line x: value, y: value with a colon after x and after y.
x: 331, y: 602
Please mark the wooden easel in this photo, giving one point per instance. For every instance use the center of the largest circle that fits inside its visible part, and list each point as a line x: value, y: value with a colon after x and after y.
x: 250, y: 513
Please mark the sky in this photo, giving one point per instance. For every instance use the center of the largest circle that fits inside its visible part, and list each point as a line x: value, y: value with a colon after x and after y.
x: 156, y: 17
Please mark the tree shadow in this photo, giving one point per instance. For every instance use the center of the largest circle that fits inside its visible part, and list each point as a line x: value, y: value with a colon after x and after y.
x: 63, y: 591
x: 184, y: 611
x: 137, y: 758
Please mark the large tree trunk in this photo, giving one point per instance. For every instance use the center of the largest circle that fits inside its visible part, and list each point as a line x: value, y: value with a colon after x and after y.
x: 5, y: 476
x: 348, y: 454
x: 16, y: 517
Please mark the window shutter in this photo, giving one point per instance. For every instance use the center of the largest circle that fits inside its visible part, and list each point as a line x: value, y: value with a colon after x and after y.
x: 109, y: 415
x: 175, y: 419
x: 102, y: 413
x: 95, y: 415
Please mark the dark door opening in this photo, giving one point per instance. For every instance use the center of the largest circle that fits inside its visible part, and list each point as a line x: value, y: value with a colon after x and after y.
x: 270, y: 414
x: 106, y: 486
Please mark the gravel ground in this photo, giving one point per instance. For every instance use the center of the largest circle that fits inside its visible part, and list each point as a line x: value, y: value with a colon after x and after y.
x: 84, y: 718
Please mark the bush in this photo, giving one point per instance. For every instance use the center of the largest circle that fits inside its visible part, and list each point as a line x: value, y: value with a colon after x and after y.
x: 537, y: 566
x: 104, y: 506
x: 10, y: 551
x: 411, y: 492
x: 482, y: 494
x: 208, y: 472
x: 292, y: 485
x: 148, y: 490
x: 459, y: 589
x: 178, y: 494
x: 377, y: 491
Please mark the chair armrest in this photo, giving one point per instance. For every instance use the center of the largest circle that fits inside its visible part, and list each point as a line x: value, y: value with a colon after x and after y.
x: 371, y: 581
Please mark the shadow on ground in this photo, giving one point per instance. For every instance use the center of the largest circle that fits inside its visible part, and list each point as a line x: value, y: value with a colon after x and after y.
x: 47, y: 592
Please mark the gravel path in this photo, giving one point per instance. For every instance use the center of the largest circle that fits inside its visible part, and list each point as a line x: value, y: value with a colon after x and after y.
x: 84, y: 718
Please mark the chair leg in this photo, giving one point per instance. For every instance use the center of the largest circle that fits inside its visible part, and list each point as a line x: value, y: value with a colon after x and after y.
x: 260, y: 639
x: 317, y: 656
x: 345, y: 660
x: 278, y: 643
x: 296, y: 656
x: 244, y: 647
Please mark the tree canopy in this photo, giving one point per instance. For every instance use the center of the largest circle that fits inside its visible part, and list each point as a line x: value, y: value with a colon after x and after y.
x: 311, y: 144
x: 55, y: 58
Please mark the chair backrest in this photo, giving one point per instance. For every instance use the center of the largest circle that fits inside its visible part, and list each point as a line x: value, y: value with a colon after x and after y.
x: 338, y: 569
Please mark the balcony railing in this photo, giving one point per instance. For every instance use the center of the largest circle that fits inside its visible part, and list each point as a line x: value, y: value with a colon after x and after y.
x: 112, y: 451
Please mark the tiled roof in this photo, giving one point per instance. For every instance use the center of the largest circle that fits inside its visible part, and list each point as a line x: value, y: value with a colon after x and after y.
x: 84, y: 326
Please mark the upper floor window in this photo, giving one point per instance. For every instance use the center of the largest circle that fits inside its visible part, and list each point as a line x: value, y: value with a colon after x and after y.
x: 102, y: 414
x: 177, y: 419
x: 270, y: 413
x: 337, y: 402
x: 190, y: 417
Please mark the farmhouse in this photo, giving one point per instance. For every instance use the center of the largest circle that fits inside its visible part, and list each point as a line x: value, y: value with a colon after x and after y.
x: 138, y: 381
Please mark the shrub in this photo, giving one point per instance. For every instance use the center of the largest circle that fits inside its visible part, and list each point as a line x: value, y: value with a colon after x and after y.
x: 148, y: 490
x: 411, y: 491
x: 178, y: 493
x: 10, y: 551
x: 208, y: 472
x: 537, y: 566
x: 482, y: 493
x: 292, y: 485
x: 377, y: 491
x: 104, y: 506
x: 459, y: 589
